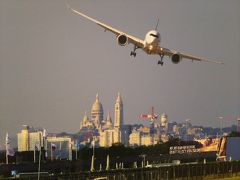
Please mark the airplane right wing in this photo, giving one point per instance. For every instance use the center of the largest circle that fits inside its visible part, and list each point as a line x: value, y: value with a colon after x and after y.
x: 136, y: 41
x: 170, y: 53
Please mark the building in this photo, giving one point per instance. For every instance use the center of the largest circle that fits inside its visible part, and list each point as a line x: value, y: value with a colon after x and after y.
x: 29, y: 138
x: 106, y: 138
x: 86, y: 123
x: 164, y: 120
x: 107, y: 124
x: 118, y: 118
x: 142, y: 137
x: 104, y: 132
x: 135, y: 138
x: 97, y: 112
x: 59, y: 148
x: 120, y: 132
x: 146, y: 139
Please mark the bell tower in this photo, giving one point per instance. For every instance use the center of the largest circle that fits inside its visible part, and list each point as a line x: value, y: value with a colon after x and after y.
x: 118, y: 118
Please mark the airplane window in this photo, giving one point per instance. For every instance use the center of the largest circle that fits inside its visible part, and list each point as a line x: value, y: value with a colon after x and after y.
x: 154, y: 35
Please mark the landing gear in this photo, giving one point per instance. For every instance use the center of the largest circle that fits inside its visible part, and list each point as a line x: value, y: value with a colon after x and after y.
x: 161, y: 61
x: 133, y: 53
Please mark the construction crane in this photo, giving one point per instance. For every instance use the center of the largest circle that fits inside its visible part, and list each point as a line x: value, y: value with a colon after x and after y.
x: 151, y: 117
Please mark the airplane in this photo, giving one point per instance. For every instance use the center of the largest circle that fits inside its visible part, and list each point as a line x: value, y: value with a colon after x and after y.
x: 150, y: 45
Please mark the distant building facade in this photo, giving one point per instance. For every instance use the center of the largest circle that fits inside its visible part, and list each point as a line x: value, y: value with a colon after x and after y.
x: 141, y: 137
x: 29, y: 139
x: 59, y: 148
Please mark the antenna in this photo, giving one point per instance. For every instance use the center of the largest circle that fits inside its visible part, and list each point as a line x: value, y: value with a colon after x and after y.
x: 157, y: 24
x: 67, y: 4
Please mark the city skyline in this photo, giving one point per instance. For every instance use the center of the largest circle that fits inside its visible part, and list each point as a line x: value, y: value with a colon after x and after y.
x: 52, y: 63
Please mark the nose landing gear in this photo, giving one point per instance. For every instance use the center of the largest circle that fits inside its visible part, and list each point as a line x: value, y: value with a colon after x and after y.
x: 161, y: 61
x: 133, y: 53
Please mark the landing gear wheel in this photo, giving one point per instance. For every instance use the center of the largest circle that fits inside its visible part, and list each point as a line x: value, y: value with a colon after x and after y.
x: 133, y: 54
x: 160, y: 62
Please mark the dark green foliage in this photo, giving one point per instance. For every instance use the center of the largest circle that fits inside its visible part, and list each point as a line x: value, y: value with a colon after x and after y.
x: 120, y: 151
x: 234, y: 134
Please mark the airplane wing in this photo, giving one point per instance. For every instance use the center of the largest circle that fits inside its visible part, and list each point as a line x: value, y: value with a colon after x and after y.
x: 136, y: 41
x: 169, y: 53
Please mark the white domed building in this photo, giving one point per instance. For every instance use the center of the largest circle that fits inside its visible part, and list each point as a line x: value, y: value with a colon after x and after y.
x: 97, y: 112
x: 86, y: 122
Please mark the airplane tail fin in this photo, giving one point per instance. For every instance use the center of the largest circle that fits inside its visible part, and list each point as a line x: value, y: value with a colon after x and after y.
x: 157, y: 24
x: 67, y: 4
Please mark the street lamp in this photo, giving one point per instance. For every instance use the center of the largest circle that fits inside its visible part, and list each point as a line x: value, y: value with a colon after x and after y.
x: 143, y: 156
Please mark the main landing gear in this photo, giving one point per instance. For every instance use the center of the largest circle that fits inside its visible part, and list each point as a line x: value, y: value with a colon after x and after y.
x: 161, y: 61
x: 133, y: 53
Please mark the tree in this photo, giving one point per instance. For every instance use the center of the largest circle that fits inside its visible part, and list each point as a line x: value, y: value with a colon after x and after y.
x: 234, y: 134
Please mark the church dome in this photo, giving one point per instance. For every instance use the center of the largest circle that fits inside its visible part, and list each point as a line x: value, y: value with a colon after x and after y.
x: 97, y: 112
x: 97, y: 106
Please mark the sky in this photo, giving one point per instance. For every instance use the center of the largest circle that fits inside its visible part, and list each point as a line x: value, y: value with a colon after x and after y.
x: 53, y: 62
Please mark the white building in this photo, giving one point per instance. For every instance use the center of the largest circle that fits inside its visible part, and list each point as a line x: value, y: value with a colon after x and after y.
x: 109, y: 132
x: 29, y: 138
x: 59, y: 148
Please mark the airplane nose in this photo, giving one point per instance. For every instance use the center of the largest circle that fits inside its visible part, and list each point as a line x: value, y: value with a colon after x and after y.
x: 154, y: 35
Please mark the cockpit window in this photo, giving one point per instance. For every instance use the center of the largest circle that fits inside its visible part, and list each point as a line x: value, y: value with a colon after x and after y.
x: 154, y: 35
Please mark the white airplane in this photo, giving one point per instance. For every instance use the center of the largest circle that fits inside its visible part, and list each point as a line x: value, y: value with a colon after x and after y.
x: 150, y: 45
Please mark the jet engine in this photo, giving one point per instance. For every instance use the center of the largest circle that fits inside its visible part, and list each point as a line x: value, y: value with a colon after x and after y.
x: 122, y: 39
x: 176, y: 58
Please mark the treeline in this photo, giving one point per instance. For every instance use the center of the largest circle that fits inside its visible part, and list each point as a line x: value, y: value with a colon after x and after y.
x: 120, y: 151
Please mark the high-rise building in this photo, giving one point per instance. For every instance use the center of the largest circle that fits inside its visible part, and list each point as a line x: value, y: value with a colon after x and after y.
x: 23, y: 139
x: 97, y: 112
x: 29, y: 138
x: 118, y: 119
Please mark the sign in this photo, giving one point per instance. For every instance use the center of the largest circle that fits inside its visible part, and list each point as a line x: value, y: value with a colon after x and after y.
x: 183, y: 149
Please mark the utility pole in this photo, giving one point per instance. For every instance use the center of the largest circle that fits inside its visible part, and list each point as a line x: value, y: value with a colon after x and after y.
x: 144, y: 159
x: 92, y: 162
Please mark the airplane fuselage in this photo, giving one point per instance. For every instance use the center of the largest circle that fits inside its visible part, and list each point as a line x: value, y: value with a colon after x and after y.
x: 152, y: 42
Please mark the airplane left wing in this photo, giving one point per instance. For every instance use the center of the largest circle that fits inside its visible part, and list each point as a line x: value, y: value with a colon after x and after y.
x: 169, y: 53
x: 136, y: 41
